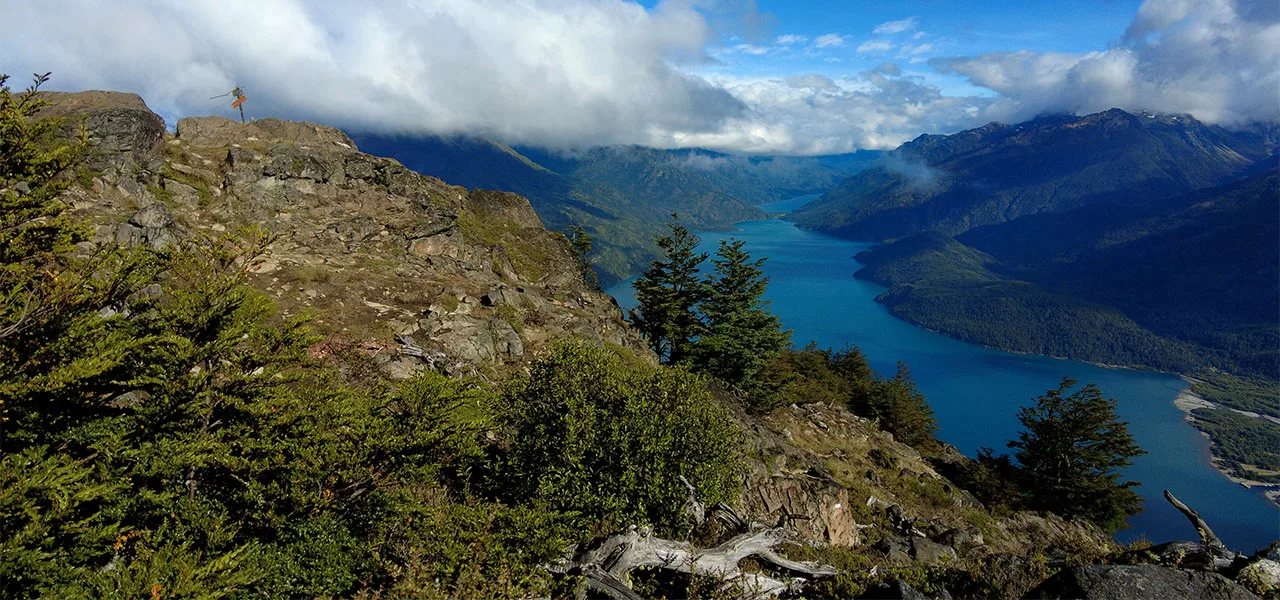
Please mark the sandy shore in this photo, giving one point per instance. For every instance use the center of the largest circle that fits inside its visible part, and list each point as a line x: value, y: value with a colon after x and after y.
x: 1188, y: 401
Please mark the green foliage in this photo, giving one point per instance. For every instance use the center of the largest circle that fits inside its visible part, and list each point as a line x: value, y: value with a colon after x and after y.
x: 845, y: 377
x: 1070, y: 452
x: 901, y: 409
x: 941, y: 284
x: 1247, y: 446
x: 580, y: 242
x: 668, y: 294
x: 1254, y: 395
x: 608, y: 439
x: 741, y: 336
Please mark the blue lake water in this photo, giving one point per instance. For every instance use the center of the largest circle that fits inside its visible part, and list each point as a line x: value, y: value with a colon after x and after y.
x: 976, y: 391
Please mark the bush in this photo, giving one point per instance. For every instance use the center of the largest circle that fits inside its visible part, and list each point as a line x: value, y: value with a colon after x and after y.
x: 607, y: 439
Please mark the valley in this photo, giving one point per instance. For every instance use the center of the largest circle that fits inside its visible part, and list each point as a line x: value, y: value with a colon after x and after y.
x: 813, y: 289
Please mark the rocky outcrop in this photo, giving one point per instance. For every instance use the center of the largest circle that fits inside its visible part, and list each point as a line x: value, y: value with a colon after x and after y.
x: 125, y: 134
x: 1138, y: 582
x: 370, y: 247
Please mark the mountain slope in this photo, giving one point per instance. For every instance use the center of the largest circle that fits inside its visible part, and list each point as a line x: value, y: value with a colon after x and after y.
x: 622, y: 196
x: 373, y: 249
x: 999, y: 172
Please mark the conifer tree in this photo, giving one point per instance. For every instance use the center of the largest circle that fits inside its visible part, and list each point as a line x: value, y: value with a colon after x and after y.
x: 581, y: 243
x: 1070, y: 452
x: 668, y: 294
x: 741, y: 335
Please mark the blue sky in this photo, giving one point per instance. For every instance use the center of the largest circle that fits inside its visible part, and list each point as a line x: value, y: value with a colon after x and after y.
x: 744, y: 76
x: 839, y: 38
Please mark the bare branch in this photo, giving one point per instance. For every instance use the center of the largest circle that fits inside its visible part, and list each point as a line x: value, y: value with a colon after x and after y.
x: 1207, y: 536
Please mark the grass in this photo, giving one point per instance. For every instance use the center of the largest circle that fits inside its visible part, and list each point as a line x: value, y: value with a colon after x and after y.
x: 530, y: 260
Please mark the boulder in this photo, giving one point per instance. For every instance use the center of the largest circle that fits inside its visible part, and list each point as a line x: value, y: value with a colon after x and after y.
x: 1138, y: 582
x: 1262, y: 576
x: 155, y: 216
x: 900, y: 590
x: 928, y: 551
x: 121, y: 128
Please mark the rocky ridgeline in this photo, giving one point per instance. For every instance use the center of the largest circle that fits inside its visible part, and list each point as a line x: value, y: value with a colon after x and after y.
x: 422, y: 275
x: 461, y: 279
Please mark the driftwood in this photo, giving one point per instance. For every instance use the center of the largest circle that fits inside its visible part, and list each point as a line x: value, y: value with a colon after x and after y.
x: 1207, y: 536
x: 606, y: 563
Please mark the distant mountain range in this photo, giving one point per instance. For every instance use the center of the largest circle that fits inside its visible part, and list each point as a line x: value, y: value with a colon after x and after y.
x: 998, y: 173
x: 1112, y: 237
x: 623, y: 196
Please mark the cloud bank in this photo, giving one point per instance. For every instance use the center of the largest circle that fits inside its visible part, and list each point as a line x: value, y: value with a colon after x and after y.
x: 1218, y: 60
x: 580, y: 73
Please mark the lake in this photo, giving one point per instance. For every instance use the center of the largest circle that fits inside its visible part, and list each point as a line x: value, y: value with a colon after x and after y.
x: 976, y: 391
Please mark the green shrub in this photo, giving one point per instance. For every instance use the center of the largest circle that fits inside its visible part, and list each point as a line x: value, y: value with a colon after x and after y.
x: 608, y: 439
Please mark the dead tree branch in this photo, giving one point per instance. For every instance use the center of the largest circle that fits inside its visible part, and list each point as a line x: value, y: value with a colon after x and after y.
x: 1207, y: 536
x: 607, y: 563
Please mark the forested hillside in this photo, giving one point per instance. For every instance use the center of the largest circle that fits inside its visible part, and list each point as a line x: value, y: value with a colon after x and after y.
x: 622, y: 195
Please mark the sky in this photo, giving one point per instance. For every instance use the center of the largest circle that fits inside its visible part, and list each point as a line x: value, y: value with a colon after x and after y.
x: 742, y: 76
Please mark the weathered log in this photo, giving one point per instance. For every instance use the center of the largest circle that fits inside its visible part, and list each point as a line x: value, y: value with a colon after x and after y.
x: 1207, y: 536
x: 606, y: 564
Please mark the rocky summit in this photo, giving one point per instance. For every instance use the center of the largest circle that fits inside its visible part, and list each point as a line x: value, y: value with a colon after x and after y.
x: 414, y: 270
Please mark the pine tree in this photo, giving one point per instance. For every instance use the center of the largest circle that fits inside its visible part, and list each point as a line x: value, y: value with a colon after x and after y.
x: 580, y: 242
x: 741, y: 335
x: 1070, y: 452
x: 668, y: 294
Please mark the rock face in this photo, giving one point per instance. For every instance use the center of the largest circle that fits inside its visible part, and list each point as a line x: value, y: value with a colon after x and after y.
x: 373, y: 248
x: 124, y: 131
x: 1138, y: 582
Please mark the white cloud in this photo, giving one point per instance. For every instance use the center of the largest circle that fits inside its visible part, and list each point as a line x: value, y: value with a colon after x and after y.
x: 818, y: 115
x: 555, y: 72
x: 576, y: 73
x: 830, y: 39
x: 895, y: 26
x: 751, y: 49
x: 874, y: 46
x: 1218, y: 60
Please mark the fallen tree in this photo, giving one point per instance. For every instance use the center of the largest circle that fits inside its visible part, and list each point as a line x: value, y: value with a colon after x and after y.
x: 607, y: 562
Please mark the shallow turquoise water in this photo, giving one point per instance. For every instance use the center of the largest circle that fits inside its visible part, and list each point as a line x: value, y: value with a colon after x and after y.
x: 976, y: 391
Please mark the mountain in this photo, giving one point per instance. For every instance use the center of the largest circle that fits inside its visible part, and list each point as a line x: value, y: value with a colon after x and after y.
x: 370, y: 247
x: 1132, y: 227
x: 998, y: 172
x: 622, y: 195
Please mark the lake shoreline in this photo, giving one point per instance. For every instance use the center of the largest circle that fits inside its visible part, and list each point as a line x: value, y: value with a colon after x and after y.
x: 1188, y: 401
x: 968, y: 382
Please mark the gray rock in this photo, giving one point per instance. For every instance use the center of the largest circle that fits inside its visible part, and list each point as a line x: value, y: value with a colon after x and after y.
x: 899, y: 590
x: 238, y: 157
x: 181, y: 192
x: 928, y: 551
x: 1138, y: 582
x: 894, y: 548
x: 155, y: 216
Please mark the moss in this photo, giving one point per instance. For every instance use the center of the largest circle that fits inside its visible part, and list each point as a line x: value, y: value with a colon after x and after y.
x: 84, y: 177
x: 201, y: 187
x: 511, y: 315
x: 447, y: 302
x: 162, y: 195
x: 529, y: 259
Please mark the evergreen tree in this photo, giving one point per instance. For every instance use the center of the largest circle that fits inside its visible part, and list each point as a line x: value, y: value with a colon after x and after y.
x: 668, y: 294
x: 581, y: 242
x: 741, y: 335
x: 902, y: 410
x: 1070, y: 452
